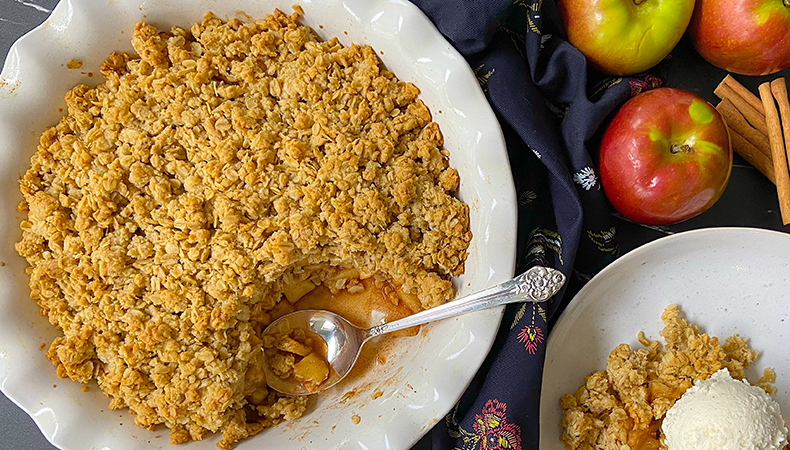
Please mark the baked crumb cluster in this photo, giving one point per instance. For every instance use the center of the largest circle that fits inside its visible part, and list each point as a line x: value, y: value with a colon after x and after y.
x: 621, y: 408
x: 212, y: 178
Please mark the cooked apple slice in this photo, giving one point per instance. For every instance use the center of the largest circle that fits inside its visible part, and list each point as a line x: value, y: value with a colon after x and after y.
x: 312, y: 368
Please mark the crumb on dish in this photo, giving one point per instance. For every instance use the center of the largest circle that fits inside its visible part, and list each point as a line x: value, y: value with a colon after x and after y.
x: 74, y: 64
x: 208, y: 182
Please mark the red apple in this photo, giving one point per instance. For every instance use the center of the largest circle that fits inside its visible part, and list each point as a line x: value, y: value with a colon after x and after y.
x: 750, y: 37
x: 665, y: 157
x: 624, y: 37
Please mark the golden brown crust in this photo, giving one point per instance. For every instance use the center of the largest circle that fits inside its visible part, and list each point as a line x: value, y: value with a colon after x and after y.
x: 174, y: 203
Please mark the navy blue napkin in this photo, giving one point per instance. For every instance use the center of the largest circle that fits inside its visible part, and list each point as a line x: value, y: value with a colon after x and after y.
x: 551, y: 110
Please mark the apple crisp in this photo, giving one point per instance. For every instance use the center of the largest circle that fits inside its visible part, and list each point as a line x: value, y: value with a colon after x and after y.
x: 212, y: 180
x: 622, y: 407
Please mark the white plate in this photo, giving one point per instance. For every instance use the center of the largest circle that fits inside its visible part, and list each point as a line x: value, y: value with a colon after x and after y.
x: 421, y: 383
x: 726, y: 280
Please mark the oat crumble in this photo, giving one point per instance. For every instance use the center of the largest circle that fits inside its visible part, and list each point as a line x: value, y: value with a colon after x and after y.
x: 179, y: 206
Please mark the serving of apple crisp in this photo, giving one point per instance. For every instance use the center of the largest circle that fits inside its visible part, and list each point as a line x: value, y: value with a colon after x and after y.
x: 621, y: 408
x: 211, y: 181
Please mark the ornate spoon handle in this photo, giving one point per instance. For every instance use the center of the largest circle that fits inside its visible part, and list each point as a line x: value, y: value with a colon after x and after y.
x: 537, y: 284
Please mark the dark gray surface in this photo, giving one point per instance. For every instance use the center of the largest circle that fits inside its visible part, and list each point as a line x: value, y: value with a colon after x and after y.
x: 17, y: 17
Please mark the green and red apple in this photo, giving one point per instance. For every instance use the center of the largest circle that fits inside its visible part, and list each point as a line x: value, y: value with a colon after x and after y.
x: 624, y: 37
x: 750, y: 37
x: 665, y: 157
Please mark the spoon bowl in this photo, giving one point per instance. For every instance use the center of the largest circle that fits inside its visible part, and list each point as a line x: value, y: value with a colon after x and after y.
x: 344, y: 340
x: 343, y: 343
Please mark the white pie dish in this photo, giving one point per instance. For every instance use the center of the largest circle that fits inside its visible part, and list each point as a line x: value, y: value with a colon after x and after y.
x: 724, y: 280
x: 421, y: 383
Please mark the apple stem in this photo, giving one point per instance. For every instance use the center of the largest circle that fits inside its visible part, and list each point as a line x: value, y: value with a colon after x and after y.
x: 683, y: 148
x: 639, y: 2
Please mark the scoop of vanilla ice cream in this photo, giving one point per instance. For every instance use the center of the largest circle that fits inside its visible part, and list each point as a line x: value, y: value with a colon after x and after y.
x: 722, y: 413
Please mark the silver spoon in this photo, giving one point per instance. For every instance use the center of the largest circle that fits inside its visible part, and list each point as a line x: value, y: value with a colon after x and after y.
x: 344, y: 340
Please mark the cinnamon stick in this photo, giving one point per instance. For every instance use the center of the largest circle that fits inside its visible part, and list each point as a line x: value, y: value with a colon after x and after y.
x: 745, y: 93
x: 735, y: 121
x: 778, y: 155
x: 752, y: 155
x: 755, y: 117
x: 779, y: 89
